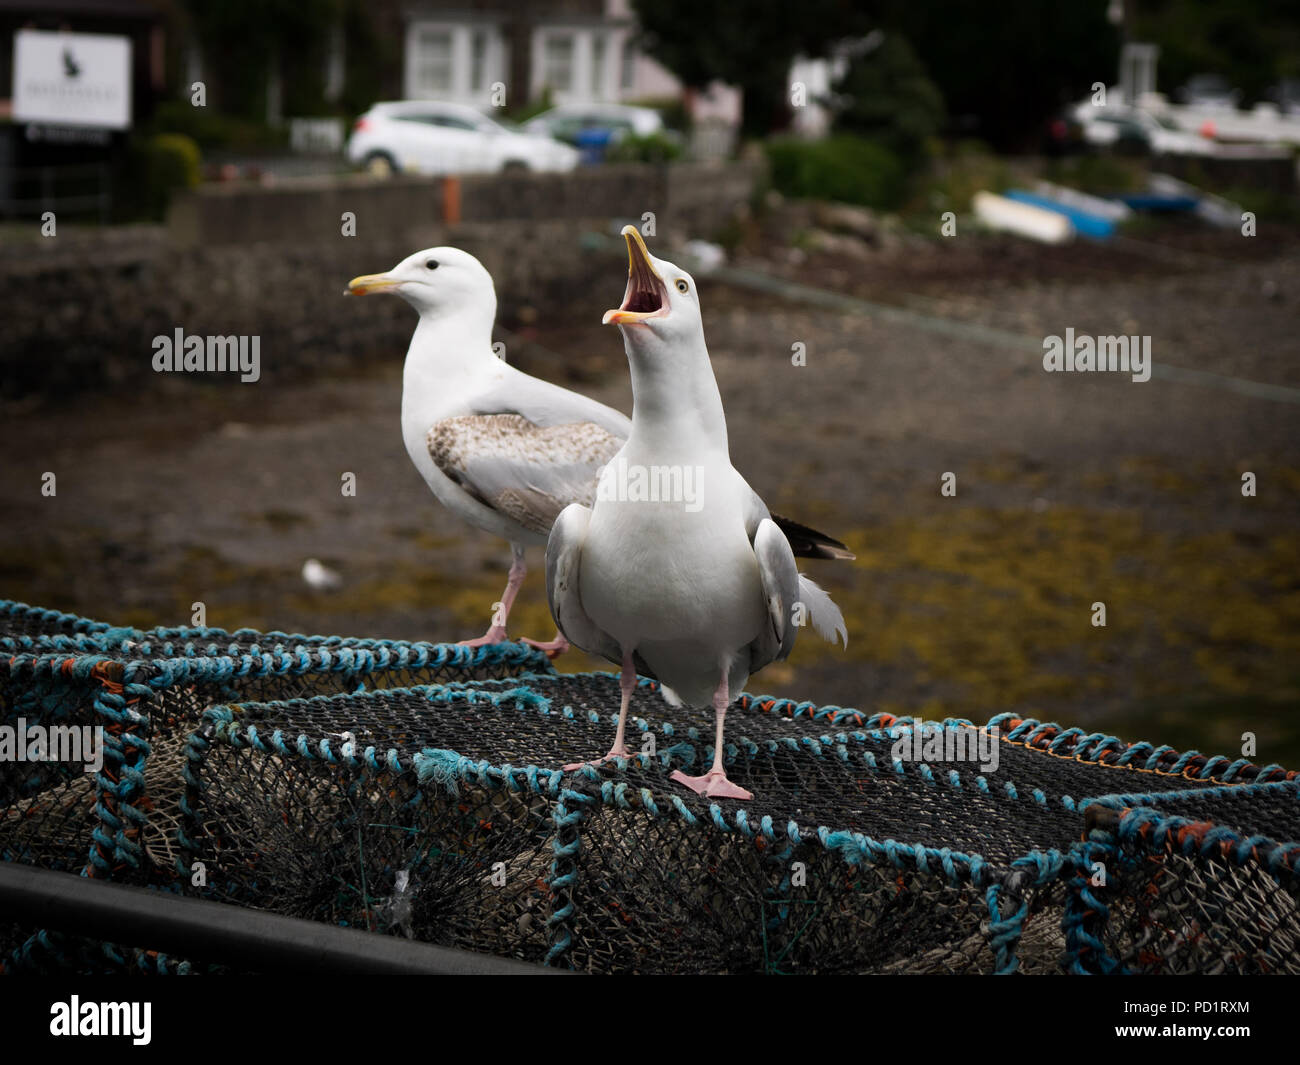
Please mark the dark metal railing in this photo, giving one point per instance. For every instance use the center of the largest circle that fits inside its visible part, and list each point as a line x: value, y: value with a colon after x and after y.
x: 80, y: 189
x: 218, y: 932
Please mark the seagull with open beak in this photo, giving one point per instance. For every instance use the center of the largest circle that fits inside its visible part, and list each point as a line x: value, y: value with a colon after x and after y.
x: 698, y: 593
x: 504, y: 451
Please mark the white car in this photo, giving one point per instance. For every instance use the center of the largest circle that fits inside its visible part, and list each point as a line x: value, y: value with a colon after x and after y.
x: 1107, y: 126
x: 1209, y: 90
x: 444, y: 138
x: 565, y: 122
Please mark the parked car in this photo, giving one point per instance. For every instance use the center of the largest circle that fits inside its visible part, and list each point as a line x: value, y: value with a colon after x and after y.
x: 1286, y: 94
x: 446, y: 138
x: 1138, y: 130
x: 569, y: 122
x: 1209, y: 90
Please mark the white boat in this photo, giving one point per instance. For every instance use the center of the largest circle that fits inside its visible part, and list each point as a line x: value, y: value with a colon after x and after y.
x: 1111, y: 210
x: 1209, y: 208
x: 1023, y: 219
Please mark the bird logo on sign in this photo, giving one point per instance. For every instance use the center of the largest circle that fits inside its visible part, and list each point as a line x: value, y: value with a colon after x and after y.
x: 70, y: 65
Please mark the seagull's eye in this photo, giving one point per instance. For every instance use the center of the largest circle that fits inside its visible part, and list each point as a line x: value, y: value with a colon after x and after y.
x: 432, y: 264
x: 682, y: 286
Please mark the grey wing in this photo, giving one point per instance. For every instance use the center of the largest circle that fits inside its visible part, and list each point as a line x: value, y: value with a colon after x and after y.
x: 779, y: 576
x: 563, y: 565
x: 543, y: 403
x: 755, y: 513
x: 525, y: 471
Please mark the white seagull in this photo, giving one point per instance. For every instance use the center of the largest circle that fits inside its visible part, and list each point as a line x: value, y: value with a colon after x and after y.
x: 503, y: 450
x: 696, y: 592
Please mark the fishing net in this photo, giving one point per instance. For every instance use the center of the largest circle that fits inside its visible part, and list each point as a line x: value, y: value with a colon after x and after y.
x: 305, y: 781
x: 1192, y: 882
x: 134, y: 696
x: 22, y: 626
x: 444, y: 814
x: 37, y: 630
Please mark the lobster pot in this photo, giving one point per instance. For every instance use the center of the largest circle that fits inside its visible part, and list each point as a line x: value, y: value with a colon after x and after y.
x: 98, y: 729
x: 407, y: 812
x: 22, y: 627
x: 862, y: 852
x: 421, y: 791
x: 419, y: 813
x: 1191, y: 882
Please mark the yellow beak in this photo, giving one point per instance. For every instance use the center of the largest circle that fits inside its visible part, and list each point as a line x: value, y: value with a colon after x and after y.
x: 367, y: 283
x: 644, y: 285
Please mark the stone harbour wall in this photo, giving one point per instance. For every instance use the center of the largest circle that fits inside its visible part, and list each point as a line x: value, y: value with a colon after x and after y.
x: 82, y: 308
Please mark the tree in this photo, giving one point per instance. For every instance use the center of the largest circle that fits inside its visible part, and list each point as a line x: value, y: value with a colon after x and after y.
x: 887, y: 95
x: 1251, y: 43
x: 242, y: 39
x: 1005, y: 68
x: 750, y: 45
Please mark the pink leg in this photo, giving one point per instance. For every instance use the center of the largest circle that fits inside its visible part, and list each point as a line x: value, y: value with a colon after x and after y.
x: 626, y: 682
x: 553, y: 649
x: 714, y: 783
x: 496, y: 632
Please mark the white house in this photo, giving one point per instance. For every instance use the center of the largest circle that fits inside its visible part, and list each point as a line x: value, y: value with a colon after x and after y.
x: 458, y: 58
x: 581, y: 52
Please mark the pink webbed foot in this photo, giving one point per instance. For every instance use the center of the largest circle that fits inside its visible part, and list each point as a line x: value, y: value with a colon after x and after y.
x: 714, y: 784
x: 496, y: 634
x: 552, y: 648
x: 614, y: 752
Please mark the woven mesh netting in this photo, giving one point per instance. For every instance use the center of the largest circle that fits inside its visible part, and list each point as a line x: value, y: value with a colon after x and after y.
x: 49, y: 953
x: 121, y: 821
x: 593, y: 691
x: 755, y: 716
x: 22, y: 625
x: 1033, y: 755
x: 416, y: 790
x: 442, y: 814
x: 37, y: 630
x: 1198, y: 882
x: 48, y: 809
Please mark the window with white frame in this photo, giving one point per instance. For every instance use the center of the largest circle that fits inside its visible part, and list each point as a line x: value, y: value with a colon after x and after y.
x: 557, y: 62
x: 433, y: 61
x: 598, y: 66
x: 478, y: 59
x: 627, y: 67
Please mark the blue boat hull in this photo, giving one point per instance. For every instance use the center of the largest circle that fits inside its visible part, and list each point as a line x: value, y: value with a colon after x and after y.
x: 1085, y: 223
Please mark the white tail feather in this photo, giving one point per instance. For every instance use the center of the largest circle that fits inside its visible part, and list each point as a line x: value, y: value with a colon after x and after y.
x: 823, y: 613
x: 670, y: 696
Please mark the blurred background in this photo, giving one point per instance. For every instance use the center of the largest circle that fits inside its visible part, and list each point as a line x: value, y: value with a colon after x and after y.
x: 909, y: 200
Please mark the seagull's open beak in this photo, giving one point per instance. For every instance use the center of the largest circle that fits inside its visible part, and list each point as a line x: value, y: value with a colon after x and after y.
x: 646, y: 295
x: 366, y: 283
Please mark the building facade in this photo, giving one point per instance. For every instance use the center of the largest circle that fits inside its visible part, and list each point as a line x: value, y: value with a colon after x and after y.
x: 578, y: 51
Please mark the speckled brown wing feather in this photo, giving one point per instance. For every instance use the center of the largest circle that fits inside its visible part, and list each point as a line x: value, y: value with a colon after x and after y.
x: 525, y: 471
